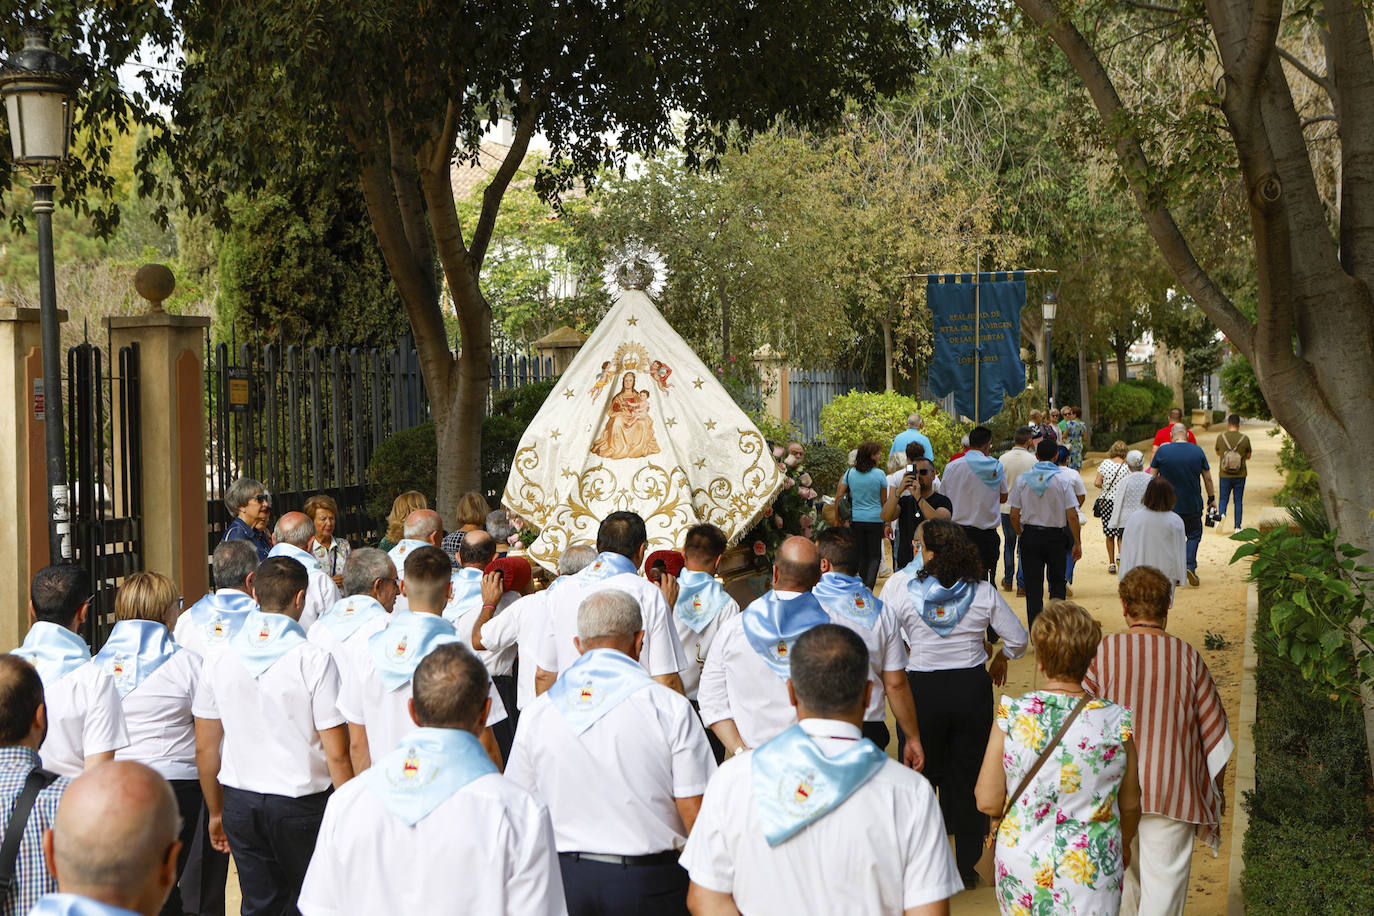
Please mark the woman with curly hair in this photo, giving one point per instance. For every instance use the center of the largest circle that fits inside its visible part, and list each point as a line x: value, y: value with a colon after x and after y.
x: 946, y: 606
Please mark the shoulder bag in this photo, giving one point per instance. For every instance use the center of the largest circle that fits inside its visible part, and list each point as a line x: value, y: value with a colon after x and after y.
x: 986, y: 866
x: 37, y: 780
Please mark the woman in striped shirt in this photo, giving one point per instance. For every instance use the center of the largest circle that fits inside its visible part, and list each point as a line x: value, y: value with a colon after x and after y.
x: 1181, y: 737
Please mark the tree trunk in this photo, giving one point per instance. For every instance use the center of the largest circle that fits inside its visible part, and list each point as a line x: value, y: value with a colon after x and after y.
x: 724, y: 322
x: 887, y: 353
x: 1121, y: 352
x: 1083, y: 391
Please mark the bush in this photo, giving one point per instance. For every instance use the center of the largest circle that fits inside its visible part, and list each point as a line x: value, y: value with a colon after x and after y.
x: 826, y: 464
x: 1300, y: 483
x: 404, y: 461
x: 1124, y: 403
x: 1136, y: 432
x: 1015, y: 412
x: 860, y: 416
x: 1241, y: 391
x: 1161, y: 395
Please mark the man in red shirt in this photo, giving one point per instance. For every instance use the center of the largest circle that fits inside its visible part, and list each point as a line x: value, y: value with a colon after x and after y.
x: 1162, y: 437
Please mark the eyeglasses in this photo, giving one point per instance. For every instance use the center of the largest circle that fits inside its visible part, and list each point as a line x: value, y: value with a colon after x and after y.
x: 924, y: 472
x: 262, y: 498
x: 392, y: 579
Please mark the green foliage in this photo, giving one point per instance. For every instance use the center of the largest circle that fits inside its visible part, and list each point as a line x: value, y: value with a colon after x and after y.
x: 1124, y: 403
x: 511, y: 412
x: 1301, y: 484
x: 1015, y: 412
x: 403, y: 461
x: 860, y: 416
x: 1317, y: 603
x: 1308, y: 848
x: 827, y: 464
x: 1241, y: 391
x: 1161, y: 395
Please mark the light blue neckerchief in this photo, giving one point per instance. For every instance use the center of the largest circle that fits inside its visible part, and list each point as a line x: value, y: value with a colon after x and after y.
x: 264, y: 638
x: 699, y: 599
x: 796, y: 784
x: 398, y: 553
x: 219, y: 615
x: 1039, y: 476
x: 135, y: 649
x: 772, y: 624
x: 396, y: 651
x: 347, y: 614
x: 425, y: 770
x: 847, y: 596
x: 303, y: 557
x: 918, y: 563
x: 74, y: 905
x: 467, y: 588
x: 606, y: 565
x: 55, y: 651
x: 941, y: 608
x: 986, y: 468
x: 594, y: 685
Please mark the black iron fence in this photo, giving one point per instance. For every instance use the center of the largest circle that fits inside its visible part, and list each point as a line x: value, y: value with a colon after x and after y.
x: 104, y: 474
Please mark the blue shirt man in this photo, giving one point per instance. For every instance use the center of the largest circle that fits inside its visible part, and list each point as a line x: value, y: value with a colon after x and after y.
x: 912, y: 434
x: 1183, y: 464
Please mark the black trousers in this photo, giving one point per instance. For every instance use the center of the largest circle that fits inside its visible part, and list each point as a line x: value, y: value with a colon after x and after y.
x: 603, y: 889
x: 955, y: 711
x: 878, y: 733
x: 989, y: 544
x: 504, y: 731
x: 869, y: 537
x: 203, y: 879
x: 272, y: 838
x: 1044, y: 551
x: 189, y: 803
x: 718, y: 750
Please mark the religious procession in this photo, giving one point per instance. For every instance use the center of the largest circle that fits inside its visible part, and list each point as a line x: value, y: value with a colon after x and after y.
x: 782, y: 458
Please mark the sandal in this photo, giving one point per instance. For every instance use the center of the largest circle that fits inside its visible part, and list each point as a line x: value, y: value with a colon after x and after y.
x: 1111, y: 568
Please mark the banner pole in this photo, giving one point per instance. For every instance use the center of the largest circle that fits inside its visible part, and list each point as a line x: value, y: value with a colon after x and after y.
x: 977, y: 332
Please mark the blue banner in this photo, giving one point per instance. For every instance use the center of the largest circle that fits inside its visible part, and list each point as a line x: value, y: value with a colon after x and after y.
x: 1000, y: 370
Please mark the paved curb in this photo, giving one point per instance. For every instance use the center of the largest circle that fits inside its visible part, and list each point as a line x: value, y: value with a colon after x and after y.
x: 1245, y: 757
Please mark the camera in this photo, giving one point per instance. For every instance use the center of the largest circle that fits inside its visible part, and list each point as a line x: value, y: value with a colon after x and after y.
x: 1212, y: 517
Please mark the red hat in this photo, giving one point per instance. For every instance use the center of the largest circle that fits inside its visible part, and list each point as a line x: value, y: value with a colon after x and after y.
x: 515, y: 571
x: 672, y: 561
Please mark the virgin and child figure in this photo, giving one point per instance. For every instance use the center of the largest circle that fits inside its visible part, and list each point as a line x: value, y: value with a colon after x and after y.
x: 629, y: 431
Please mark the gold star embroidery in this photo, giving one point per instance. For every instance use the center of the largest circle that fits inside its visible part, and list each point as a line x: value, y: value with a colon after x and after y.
x: 568, y: 393
x: 554, y: 434
x: 700, y: 463
x: 632, y: 321
x: 710, y: 424
x: 568, y: 473
x: 696, y: 383
x: 672, y: 421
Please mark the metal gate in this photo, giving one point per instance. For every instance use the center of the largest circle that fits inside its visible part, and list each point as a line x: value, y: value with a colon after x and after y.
x: 104, y: 471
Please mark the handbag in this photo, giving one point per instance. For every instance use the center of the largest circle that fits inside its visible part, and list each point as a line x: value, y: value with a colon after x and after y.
x: 844, y: 509
x: 986, y: 867
x: 1099, y: 506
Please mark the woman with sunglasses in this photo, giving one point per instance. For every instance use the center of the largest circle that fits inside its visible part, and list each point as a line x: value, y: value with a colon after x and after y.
x: 250, y: 505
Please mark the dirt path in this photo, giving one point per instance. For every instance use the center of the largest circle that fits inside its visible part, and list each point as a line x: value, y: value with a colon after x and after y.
x: 1217, y: 606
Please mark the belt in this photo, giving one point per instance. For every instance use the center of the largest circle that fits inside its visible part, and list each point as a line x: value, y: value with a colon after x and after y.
x: 1044, y: 527
x: 658, y: 858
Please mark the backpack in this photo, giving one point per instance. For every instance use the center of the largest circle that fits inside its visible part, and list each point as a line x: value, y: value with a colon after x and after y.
x: 1232, y: 462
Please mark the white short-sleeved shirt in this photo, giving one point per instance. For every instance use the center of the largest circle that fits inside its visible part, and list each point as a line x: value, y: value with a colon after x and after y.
x: 190, y: 636
x: 736, y: 683
x: 1016, y: 462
x: 499, y: 663
x: 963, y: 647
x: 364, y: 699
x: 611, y: 789
x: 522, y: 625
x: 975, y: 503
x: 320, y: 595
x: 885, y: 653
x: 697, y: 646
x: 341, y: 650
x: 662, y: 653
x: 85, y: 717
x: 272, y: 723
x: 1048, y: 509
x: 502, y: 860
x: 882, y: 851
x: 1076, y: 481
x: 157, y: 714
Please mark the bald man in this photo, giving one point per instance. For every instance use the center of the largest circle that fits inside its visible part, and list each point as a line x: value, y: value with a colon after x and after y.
x: 113, y: 848
x: 743, y: 692
x: 293, y: 533
x: 423, y: 527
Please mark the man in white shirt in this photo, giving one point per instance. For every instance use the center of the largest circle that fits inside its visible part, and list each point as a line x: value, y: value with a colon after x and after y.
x: 370, y: 587
x: 977, y: 486
x: 620, y: 543
x: 270, y: 742
x: 113, y: 847
x: 423, y: 527
x: 1044, y: 513
x: 1016, y: 461
x: 767, y: 841
x: 743, y: 691
x: 477, y: 554
x: 850, y: 604
x: 702, y: 605
x: 206, y: 626
x: 522, y: 625
x: 388, y: 843
x: 621, y: 761
x: 85, y: 717
x: 293, y: 534
x: 380, y: 667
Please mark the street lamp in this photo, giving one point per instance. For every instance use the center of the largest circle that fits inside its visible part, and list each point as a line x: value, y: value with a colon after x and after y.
x: 1048, y: 306
x: 37, y: 84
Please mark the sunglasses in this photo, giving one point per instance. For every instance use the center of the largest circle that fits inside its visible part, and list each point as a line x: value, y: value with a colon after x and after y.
x: 262, y: 498
x: 924, y: 472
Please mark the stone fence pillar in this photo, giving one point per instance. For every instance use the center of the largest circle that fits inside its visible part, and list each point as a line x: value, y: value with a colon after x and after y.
x: 773, y: 374
x: 23, y: 468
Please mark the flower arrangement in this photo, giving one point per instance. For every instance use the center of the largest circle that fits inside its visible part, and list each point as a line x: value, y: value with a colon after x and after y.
x: 795, y: 510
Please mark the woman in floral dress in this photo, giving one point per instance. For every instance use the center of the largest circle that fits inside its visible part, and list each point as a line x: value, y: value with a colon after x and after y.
x: 1074, y: 430
x: 1060, y: 848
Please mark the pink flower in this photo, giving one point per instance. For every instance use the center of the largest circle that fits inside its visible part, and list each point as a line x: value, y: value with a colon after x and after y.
x: 513, y: 539
x: 788, y: 482
x: 1060, y: 817
x: 805, y: 479
x: 1001, y: 870
x: 1007, y: 761
x: 1037, y: 706
x: 1042, y: 811
x: 806, y: 493
x: 1109, y: 753
x: 777, y: 520
x: 767, y: 512
x: 1025, y: 900
x: 778, y: 451
x: 1081, y: 842
x: 790, y: 461
x: 759, y: 549
x: 807, y: 521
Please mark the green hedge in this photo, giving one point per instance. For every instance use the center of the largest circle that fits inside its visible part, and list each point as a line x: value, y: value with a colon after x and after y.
x: 1308, y: 849
x: 1103, y: 439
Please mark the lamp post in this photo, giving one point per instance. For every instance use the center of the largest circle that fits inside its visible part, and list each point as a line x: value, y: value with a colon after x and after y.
x: 37, y: 84
x: 1048, y: 307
